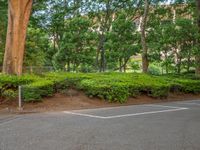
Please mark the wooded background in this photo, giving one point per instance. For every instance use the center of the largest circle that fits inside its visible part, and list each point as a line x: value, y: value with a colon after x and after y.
x: 154, y: 36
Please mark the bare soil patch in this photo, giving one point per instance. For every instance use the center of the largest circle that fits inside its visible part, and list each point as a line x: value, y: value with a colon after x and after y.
x: 78, y: 100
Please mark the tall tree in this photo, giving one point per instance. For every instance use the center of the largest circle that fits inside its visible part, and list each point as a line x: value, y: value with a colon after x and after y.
x: 122, y: 42
x: 3, y: 25
x: 198, y: 55
x: 145, y: 62
x: 103, y: 14
x: 18, y: 17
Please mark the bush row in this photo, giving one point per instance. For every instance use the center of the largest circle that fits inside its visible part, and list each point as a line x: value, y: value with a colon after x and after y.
x: 9, y: 84
x: 118, y: 87
x: 109, y: 86
x: 49, y: 84
x: 36, y: 90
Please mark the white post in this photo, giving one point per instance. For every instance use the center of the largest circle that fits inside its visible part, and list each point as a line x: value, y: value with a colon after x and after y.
x: 20, y: 98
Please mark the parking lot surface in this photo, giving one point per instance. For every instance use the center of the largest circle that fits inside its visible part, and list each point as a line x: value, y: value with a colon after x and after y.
x: 164, y: 126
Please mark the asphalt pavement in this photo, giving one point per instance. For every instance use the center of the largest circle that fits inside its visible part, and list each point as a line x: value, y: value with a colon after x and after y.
x: 164, y: 126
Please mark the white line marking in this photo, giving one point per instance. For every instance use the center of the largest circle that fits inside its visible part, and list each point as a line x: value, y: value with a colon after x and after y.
x: 189, y: 103
x: 85, y: 115
x: 164, y: 106
x: 126, y: 115
x: 146, y: 113
x: 115, y: 107
x: 9, y: 120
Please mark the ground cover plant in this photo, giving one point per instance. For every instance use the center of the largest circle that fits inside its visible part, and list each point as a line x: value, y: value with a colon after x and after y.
x: 114, y: 87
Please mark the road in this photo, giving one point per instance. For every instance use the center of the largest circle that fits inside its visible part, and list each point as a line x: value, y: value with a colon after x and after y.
x: 164, y: 126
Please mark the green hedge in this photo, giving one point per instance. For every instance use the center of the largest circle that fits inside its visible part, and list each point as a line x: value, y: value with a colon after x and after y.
x: 109, y: 86
x: 112, y: 92
x: 64, y: 80
x: 9, y: 84
x: 49, y: 84
x: 188, y: 86
x: 118, y: 87
x: 36, y: 90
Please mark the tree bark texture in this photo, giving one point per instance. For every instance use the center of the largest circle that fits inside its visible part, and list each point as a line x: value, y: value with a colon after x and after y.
x: 18, y: 17
x: 145, y: 62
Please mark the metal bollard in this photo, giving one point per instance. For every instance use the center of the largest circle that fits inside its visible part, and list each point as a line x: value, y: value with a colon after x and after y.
x: 20, y: 98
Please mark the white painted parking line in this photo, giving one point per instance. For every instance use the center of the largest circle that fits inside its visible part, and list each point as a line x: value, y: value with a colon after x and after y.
x: 164, y: 106
x: 115, y: 107
x: 6, y: 121
x: 85, y: 115
x: 173, y: 109
x: 146, y: 113
x: 189, y: 103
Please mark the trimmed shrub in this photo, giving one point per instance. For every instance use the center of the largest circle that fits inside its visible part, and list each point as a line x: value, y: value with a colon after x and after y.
x: 9, y: 84
x: 14, y: 81
x: 64, y: 80
x: 9, y: 94
x: 36, y: 90
x: 189, y: 86
x: 114, y: 87
x: 160, y: 90
x: 113, y: 92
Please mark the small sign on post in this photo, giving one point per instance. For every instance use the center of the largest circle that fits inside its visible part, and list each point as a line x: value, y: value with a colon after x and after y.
x: 20, y: 98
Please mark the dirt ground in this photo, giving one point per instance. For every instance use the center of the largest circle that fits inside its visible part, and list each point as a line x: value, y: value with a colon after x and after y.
x: 78, y: 100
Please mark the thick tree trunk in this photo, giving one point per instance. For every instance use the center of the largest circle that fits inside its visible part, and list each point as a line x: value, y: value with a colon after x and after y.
x: 145, y: 62
x: 18, y: 18
x: 198, y: 55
